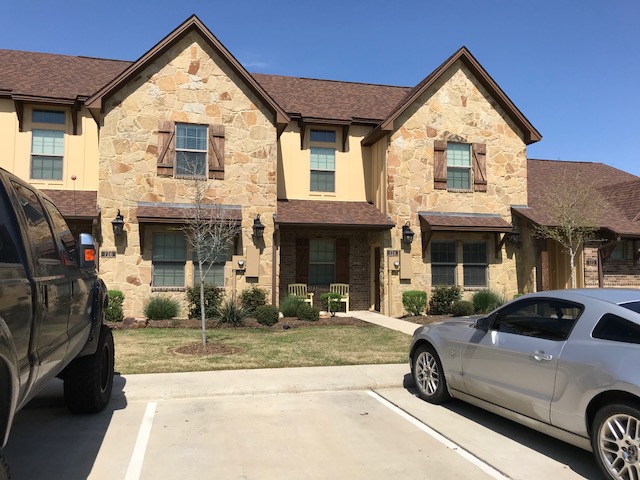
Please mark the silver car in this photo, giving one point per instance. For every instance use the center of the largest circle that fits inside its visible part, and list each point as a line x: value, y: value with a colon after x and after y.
x: 566, y: 363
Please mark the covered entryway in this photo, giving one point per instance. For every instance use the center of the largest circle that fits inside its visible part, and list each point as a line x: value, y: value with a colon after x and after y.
x: 325, y: 242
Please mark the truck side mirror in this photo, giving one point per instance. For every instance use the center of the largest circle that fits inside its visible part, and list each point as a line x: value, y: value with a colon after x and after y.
x: 87, y: 252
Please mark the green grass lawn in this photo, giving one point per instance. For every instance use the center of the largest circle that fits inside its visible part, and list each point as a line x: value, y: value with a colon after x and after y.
x: 152, y: 350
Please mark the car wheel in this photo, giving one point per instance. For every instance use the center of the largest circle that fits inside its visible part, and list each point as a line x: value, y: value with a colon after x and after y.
x: 615, y: 438
x: 429, y: 376
x: 4, y: 467
x: 89, y: 380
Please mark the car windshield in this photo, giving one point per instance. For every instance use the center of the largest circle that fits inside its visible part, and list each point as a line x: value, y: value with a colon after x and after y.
x: 633, y: 306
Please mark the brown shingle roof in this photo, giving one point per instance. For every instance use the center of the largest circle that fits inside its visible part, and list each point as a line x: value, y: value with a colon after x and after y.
x: 75, y: 205
x: 155, y: 212
x: 331, y: 214
x: 620, y: 189
x: 465, y: 222
x: 55, y: 76
x: 328, y: 99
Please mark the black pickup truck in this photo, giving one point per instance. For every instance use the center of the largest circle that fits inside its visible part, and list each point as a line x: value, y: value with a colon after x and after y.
x: 51, y: 309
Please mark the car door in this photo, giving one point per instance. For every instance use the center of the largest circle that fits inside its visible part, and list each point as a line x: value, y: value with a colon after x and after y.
x: 52, y: 287
x: 514, y: 364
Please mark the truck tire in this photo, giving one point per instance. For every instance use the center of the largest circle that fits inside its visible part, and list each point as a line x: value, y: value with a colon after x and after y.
x: 4, y: 467
x: 89, y: 380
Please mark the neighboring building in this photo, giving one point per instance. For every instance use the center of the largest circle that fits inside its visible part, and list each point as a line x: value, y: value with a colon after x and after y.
x: 335, y: 171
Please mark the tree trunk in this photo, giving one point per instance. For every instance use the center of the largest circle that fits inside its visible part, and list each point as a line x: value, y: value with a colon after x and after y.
x: 572, y: 267
x: 202, y: 309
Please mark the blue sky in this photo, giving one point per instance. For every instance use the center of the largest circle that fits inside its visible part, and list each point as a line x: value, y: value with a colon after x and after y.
x: 571, y: 66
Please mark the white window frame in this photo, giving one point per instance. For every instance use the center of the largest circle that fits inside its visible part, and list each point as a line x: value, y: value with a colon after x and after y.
x: 194, y: 174
x: 452, y: 167
x: 315, y: 145
x: 47, y: 126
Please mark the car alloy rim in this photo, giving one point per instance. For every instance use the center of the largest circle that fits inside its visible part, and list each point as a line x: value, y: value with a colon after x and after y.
x: 619, y: 442
x: 427, y: 375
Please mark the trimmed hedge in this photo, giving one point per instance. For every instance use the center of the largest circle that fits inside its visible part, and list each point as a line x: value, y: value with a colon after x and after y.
x: 290, y: 304
x: 442, y: 298
x: 267, y: 314
x: 414, y: 301
x: 461, y: 308
x: 309, y: 313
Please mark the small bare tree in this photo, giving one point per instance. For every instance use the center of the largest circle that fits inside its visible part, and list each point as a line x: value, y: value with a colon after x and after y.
x: 210, y: 231
x: 573, y: 208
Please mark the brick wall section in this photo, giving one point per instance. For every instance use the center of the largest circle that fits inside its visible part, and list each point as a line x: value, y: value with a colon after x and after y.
x: 359, y: 259
x: 617, y: 273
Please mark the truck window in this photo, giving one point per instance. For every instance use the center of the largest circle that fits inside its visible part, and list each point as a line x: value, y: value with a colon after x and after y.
x: 62, y: 229
x: 8, y: 251
x: 40, y: 235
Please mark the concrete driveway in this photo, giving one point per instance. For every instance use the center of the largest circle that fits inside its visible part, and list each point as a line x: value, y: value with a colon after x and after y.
x: 306, y: 423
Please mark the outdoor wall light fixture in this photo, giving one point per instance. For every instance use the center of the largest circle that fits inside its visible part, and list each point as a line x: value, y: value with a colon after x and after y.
x: 118, y: 224
x: 407, y: 234
x: 258, y: 227
x: 513, y: 237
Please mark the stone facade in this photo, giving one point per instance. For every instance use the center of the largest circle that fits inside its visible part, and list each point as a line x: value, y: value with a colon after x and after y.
x: 191, y: 83
x: 455, y: 109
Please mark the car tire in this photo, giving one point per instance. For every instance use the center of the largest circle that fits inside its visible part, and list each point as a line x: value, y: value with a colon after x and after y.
x: 615, y: 439
x: 4, y: 467
x: 89, y: 380
x: 428, y: 375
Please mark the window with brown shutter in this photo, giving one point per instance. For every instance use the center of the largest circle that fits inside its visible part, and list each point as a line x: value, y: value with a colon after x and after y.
x: 342, y: 260
x: 216, y: 152
x: 166, y: 147
x: 302, y: 260
x: 440, y: 164
x: 479, y: 151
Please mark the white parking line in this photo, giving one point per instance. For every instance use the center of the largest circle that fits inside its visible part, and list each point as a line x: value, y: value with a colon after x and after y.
x: 482, y: 465
x: 137, y: 457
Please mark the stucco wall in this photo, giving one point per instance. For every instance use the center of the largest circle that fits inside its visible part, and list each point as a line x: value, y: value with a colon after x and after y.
x: 189, y: 83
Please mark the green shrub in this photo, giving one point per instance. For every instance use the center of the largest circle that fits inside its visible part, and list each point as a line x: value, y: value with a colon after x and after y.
x: 331, y: 302
x: 461, y: 308
x: 309, y: 313
x: 212, y: 299
x: 486, y: 301
x: 442, y: 298
x: 252, y: 298
x: 414, y: 301
x: 161, y: 308
x: 231, y: 311
x: 113, y: 312
x: 290, y: 304
x: 267, y: 314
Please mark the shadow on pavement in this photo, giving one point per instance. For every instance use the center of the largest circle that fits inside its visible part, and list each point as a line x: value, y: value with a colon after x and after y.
x: 47, y: 441
x: 578, y: 460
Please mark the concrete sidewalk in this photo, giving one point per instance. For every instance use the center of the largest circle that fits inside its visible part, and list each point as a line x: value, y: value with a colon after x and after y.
x: 384, y: 321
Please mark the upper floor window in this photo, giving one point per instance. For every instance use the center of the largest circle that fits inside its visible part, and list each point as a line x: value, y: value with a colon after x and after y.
x: 55, y: 117
x: 459, y: 166
x: 323, y: 160
x: 191, y: 150
x: 47, y: 154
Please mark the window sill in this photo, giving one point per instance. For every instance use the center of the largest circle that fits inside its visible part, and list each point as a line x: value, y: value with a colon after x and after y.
x: 191, y: 177
x: 459, y: 190
x: 167, y: 289
x: 474, y: 288
x: 322, y: 194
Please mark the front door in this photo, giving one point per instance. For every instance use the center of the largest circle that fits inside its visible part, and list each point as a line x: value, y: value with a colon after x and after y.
x: 377, y: 253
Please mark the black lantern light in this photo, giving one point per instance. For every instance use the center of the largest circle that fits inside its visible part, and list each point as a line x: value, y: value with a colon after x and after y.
x: 407, y: 234
x: 513, y: 237
x: 118, y: 224
x: 258, y: 227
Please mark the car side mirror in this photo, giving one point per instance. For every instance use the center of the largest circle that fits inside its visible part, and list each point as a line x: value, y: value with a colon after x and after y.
x: 87, y: 252
x: 482, y: 324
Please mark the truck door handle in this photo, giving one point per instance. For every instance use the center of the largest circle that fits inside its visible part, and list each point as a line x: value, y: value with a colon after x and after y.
x: 540, y: 356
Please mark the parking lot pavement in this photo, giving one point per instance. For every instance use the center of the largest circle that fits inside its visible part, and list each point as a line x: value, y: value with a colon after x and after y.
x: 193, y: 426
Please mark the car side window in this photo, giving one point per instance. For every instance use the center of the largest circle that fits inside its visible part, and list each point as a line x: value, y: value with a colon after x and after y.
x: 542, y: 318
x: 62, y: 229
x: 40, y: 235
x: 617, y: 329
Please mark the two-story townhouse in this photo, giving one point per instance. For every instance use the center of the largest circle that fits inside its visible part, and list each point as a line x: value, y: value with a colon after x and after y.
x: 384, y: 188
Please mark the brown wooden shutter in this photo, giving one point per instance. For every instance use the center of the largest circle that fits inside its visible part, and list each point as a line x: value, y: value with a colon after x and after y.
x: 302, y: 260
x: 216, y: 151
x: 166, y: 147
x: 479, y: 151
x: 440, y: 164
x: 342, y: 260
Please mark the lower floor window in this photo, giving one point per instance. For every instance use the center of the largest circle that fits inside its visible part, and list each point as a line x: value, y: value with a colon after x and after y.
x: 169, y: 258
x: 444, y: 263
x: 322, y: 262
x: 213, y: 272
